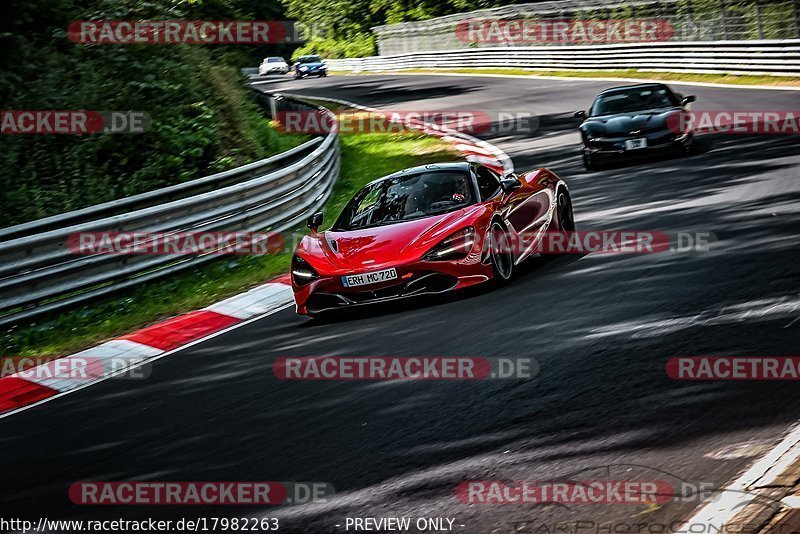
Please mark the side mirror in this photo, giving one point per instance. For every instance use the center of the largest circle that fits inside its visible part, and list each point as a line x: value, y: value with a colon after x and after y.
x: 579, y: 114
x: 315, y: 221
x: 510, y: 183
x: 688, y: 100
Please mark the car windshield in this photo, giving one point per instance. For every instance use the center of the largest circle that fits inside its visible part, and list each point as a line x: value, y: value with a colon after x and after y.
x: 309, y: 59
x: 638, y: 99
x: 406, y: 197
x: 275, y: 60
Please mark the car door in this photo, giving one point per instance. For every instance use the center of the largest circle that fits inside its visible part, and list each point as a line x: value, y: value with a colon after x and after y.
x: 526, y: 210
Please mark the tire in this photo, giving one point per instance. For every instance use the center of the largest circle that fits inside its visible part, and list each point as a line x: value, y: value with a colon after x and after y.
x: 590, y: 164
x: 566, y: 220
x: 501, y: 253
x: 691, y: 149
x: 566, y: 217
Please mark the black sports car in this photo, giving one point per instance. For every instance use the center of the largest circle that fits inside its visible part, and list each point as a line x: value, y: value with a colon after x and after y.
x: 309, y: 66
x: 635, y: 120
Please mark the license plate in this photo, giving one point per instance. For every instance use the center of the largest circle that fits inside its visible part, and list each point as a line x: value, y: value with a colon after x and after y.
x: 635, y: 144
x: 364, y: 279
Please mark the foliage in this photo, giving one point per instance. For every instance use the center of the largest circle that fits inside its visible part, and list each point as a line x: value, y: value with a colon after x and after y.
x: 347, y: 23
x: 357, y: 45
x: 202, y: 118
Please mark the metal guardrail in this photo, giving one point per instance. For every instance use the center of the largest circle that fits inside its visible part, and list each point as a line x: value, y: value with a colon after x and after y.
x: 774, y: 58
x: 39, y: 274
x: 691, y: 20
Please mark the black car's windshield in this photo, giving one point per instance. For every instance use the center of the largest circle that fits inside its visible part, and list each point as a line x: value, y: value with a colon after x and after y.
x: 406, y: 197
x: 635, y: 99
x: 309, y: 59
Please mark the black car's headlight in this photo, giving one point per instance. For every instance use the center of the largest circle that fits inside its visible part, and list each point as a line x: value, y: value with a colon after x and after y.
x: 454, y: 247
x: 302, y: 272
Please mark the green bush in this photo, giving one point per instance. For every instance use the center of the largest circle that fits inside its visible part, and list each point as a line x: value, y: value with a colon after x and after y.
x: 202, y: 117
x: 357, y: 45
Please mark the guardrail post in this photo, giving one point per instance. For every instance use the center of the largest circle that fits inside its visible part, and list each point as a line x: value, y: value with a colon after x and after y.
x: 273, y: 108
x: 758, y: 21
x: 796, y: 10
x: 692, y: 25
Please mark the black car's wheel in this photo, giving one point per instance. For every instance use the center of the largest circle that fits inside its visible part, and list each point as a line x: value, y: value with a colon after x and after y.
x: 501, y: 251
x: 566, y: 218
x: 691, y: 147
x: 589, y: 163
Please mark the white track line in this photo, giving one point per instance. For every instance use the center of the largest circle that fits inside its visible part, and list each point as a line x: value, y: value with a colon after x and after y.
x: 730, y: 502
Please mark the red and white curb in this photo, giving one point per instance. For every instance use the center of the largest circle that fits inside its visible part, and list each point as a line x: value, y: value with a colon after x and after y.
x: 56, y: 378
x: 471, y: 148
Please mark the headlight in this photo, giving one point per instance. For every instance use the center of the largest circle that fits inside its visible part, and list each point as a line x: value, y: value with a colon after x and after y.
x: 303, y: 68
x: 302, y: 272
x: 455, y: 247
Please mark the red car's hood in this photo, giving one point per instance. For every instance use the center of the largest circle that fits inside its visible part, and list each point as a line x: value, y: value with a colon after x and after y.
x: 391, y: 244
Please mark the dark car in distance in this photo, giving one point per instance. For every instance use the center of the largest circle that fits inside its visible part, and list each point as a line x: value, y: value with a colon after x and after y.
x: 310, y: 66
x: 635, y: 120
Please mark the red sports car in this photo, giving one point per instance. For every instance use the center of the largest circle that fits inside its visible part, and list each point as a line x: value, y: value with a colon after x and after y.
x: 427, y: 230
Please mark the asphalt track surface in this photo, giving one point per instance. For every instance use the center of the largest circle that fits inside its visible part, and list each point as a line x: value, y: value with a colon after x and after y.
x: 600, y: 327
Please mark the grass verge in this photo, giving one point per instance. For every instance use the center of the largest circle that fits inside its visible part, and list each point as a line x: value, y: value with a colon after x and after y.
x: 631, y: 74
x: 364, y: 158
